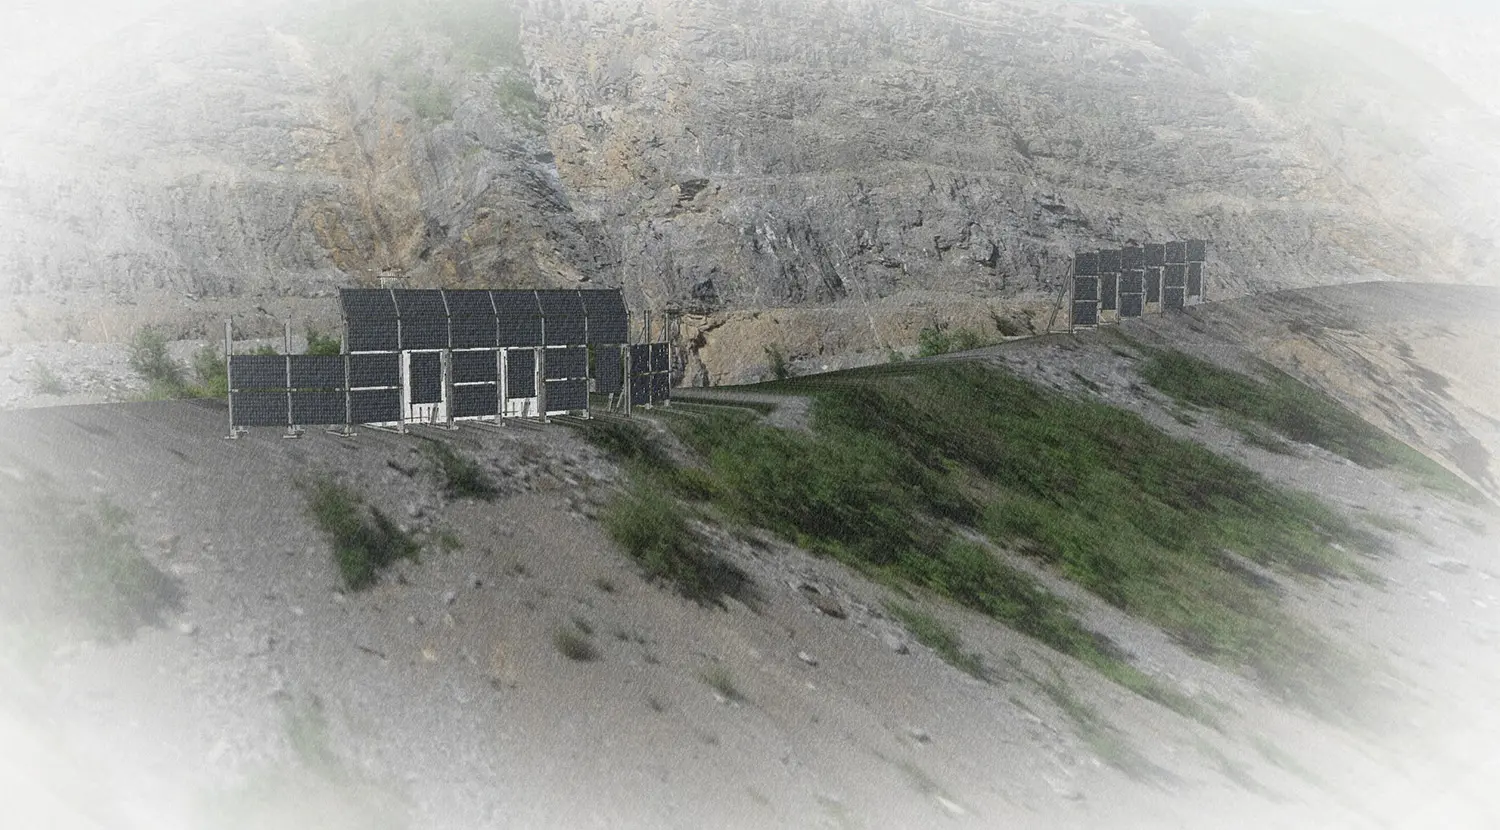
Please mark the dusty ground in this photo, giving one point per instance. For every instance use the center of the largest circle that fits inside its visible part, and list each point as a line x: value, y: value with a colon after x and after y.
x: 448, y: 705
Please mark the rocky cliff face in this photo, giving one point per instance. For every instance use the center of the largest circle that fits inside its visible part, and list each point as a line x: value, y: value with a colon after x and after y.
x: 824, y: 177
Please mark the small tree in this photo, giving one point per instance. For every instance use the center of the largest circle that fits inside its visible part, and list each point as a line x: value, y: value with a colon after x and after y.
x: 319, y: 343
x: 148, y: 357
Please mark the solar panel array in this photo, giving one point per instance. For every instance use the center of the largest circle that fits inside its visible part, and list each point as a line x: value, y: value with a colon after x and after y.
x: 409, y: 319
x: 1120, y: 283
x: 457, y: 350
x: 650, y: 374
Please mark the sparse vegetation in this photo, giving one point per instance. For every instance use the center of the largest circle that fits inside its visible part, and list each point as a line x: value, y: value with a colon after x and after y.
x: 1296, y: 411
x: 575, y: 644
x: 462, y: 477
x: 166, y: 378
x: 45, y: 381
x: 932, y: 633
x: 364, y: 540
x: 115, y: 586
x: 718, y: 678
x: 939, y: 339
x: 650, y: 526
x: 777, y: 363
x: 1103, y: 738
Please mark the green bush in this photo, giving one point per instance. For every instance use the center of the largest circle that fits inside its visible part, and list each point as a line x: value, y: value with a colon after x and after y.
x: 364, y: 540
x: 321, y: 344
x: 148, y: 357
x: 939, y: 339
x: 212, y: 373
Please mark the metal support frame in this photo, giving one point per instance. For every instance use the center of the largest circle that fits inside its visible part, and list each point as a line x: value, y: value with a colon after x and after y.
x: 292, y: 430
x: 235, y: 433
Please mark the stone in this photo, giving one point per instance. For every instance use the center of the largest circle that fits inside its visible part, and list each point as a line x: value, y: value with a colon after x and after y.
x: 895, y: 642
x: 450, y: 597
x: 187, y: 629
x: 807, y: 658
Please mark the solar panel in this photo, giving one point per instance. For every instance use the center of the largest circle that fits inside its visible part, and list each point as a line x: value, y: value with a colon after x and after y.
x: 424, y: 318
x: 1086, y: 264
x: 1172, y: 297
x: 1197, y: 250
x: 374, y: 370
x: 316, y: 371
x: 1132, y: 258
x: 1109, y: 261
x: 567, y: 394
x: 373, y: 335
x: 476, y: 366
x: 258, y: 409
x: 640, y: 390
x: 319, y: 408
x: 1156, y: 255
x: 1176, y: 252
x: 374, y: 406
x: 608, y: 320
x: 1195, y: 279
x: 520, y: 373
x: 363, y: 304
x: 607, y: 369
x: 563, y: 316
x: 474, y: 332
x: 1174, y: 276
x: 659, y: 358
x: 469, y: 303
x: 661, y: 387
x: 1131, y: 305
x: 572, y: 362
x: 640, y: 359
x: 1109, y: 292
x: 520, y: 318
x: 1153, y: 285
x: 426, y: 378
x: 1085, y: 314
x: 254, y: 371
x: 1085, y: 288
x: 1132, y: 282
x: 475, y: 400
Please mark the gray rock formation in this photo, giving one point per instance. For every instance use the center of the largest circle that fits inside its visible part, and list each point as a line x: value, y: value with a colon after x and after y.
x: 824, y: 177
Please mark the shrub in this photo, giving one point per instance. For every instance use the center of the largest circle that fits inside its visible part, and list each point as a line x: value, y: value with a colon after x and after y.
x: 364, y: 540
x: 212, y: 373
x: 718, y: 678
x: 44, y: 381
x: 321, y: 344
x: 776, y: 361
x: 148, y: 358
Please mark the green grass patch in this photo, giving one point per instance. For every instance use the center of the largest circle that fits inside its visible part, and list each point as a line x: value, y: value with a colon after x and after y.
x: 364, y: 540
x: 1297, y: 412
x: 652, y: 527
x: 905, y: 453
x: 461, y: 476
x: 931, y: 632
